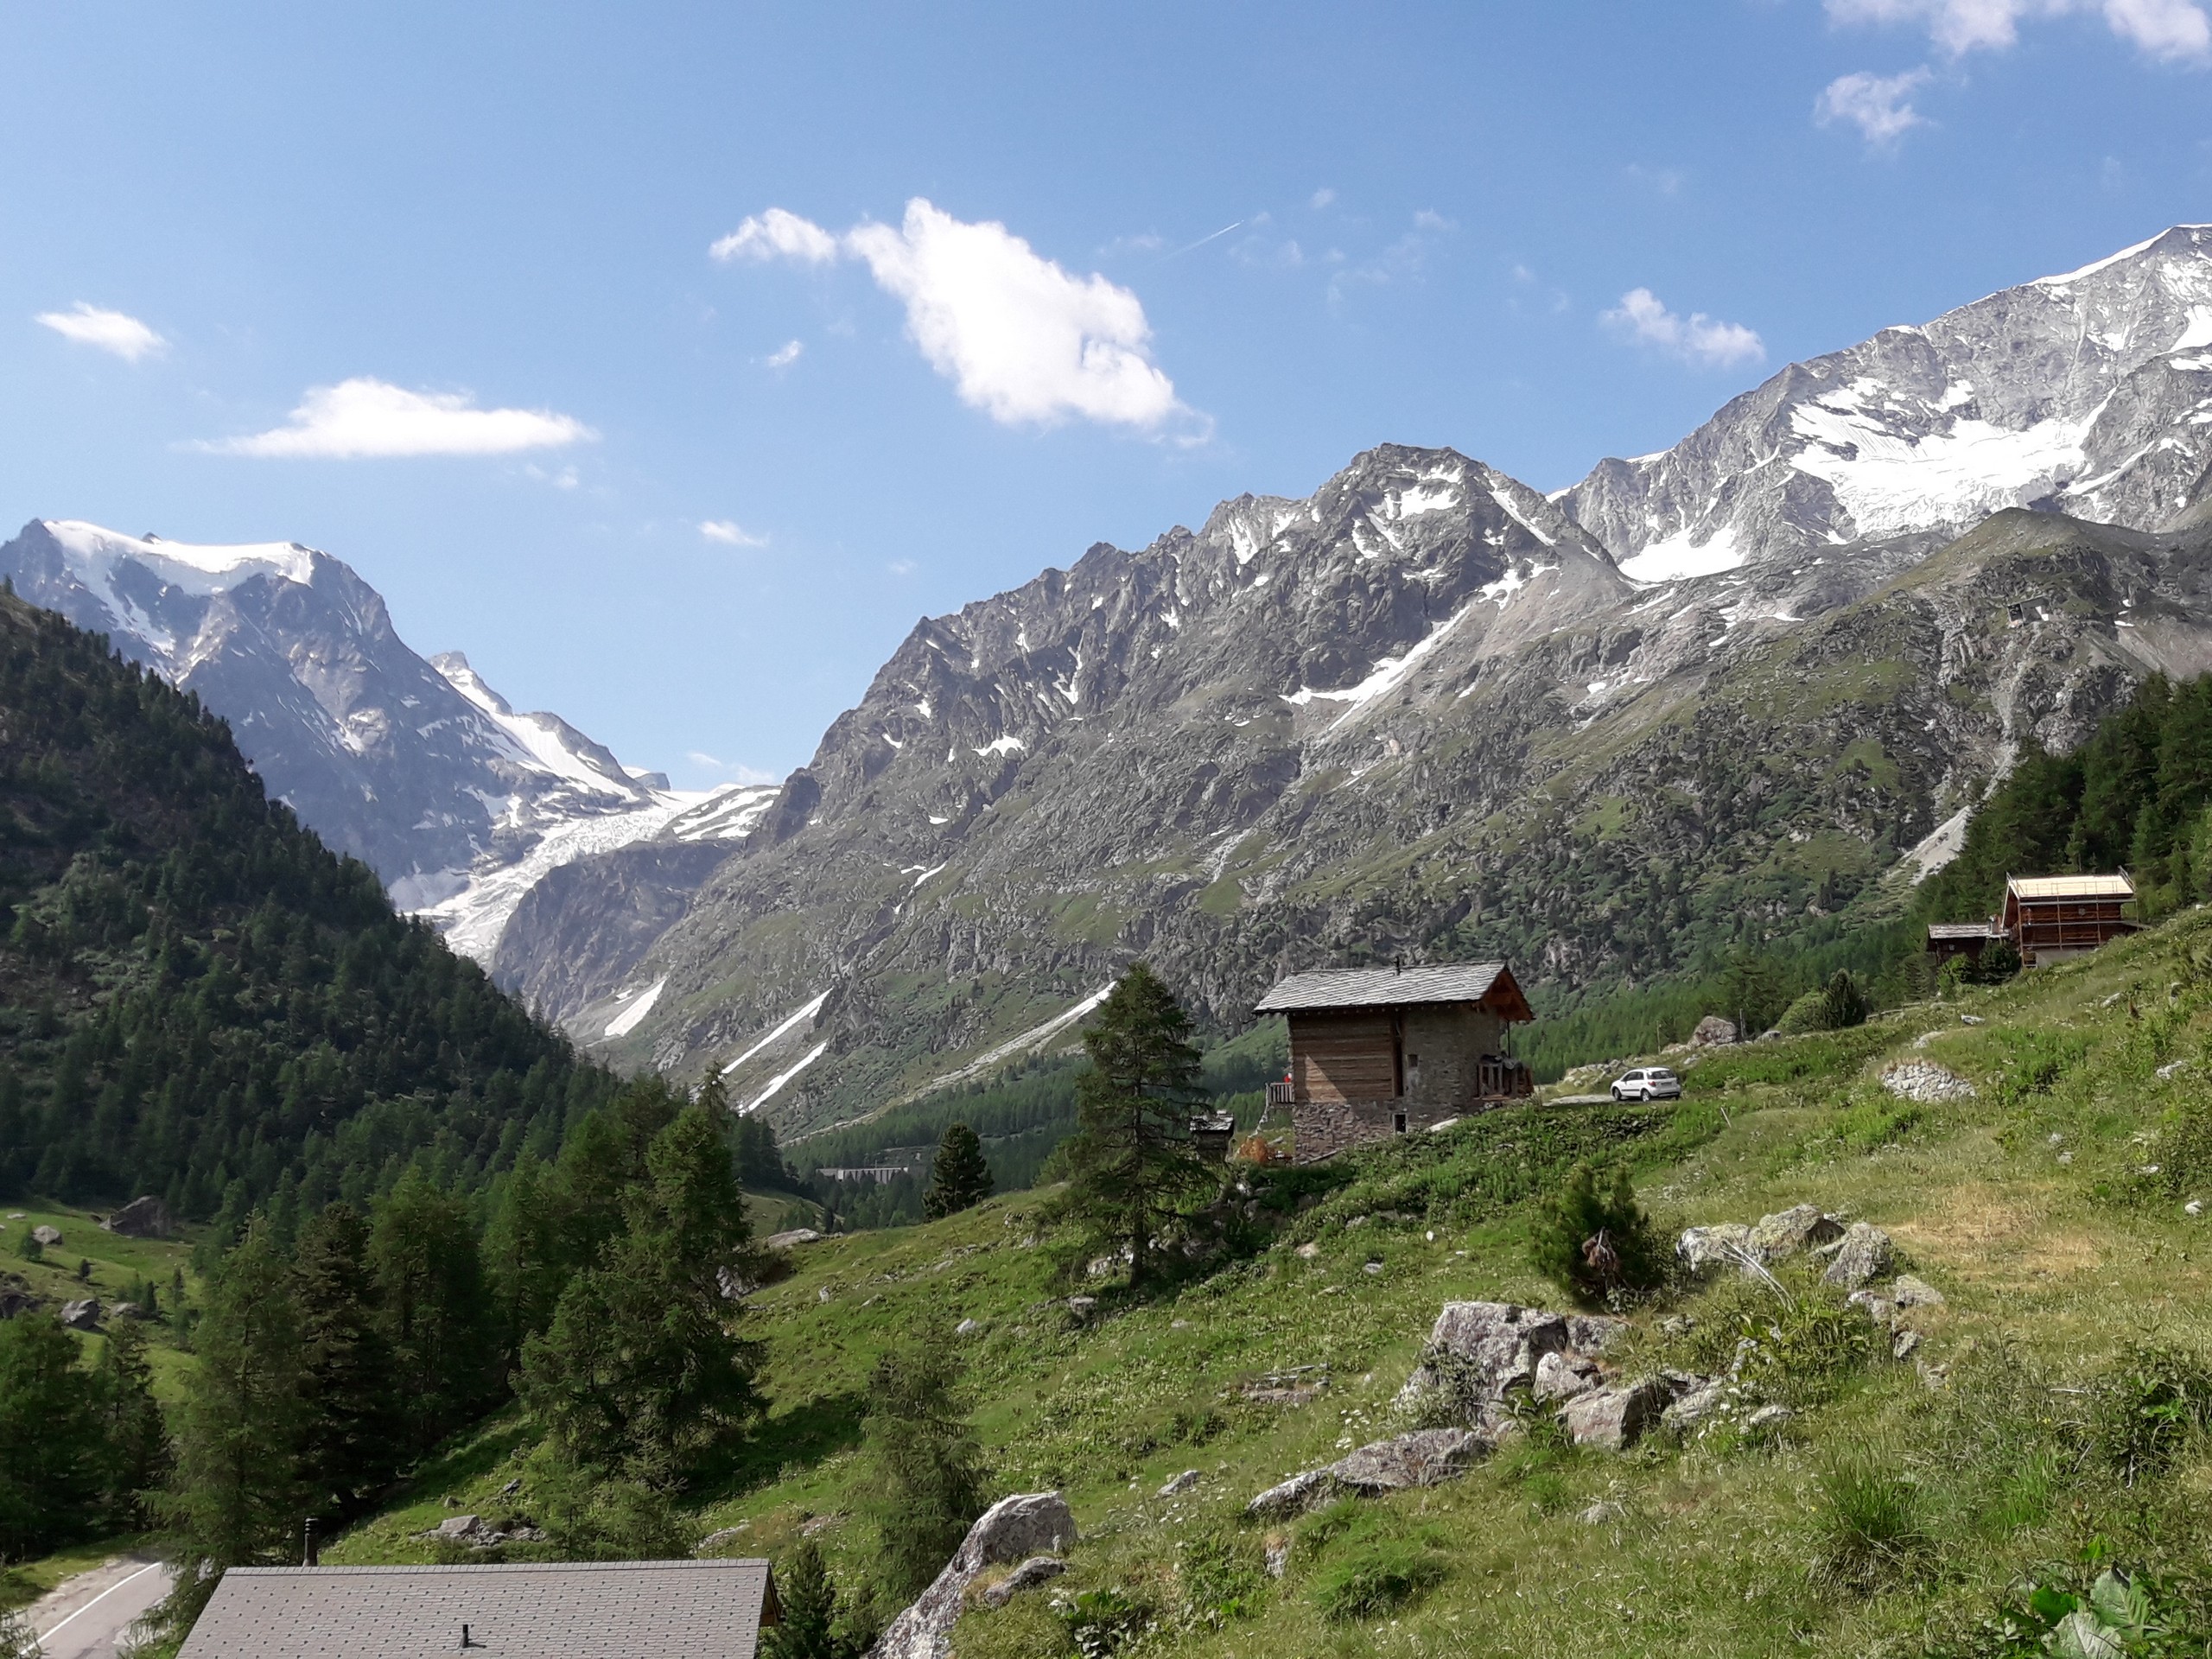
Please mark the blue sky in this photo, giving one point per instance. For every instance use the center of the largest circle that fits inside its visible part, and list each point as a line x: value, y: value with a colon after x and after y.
x: 435, y: 287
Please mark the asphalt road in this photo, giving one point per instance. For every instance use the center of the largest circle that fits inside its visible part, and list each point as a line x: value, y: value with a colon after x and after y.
x: 84, y: 1618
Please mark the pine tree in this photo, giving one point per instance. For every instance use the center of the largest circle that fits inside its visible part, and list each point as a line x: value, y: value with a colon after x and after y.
x: 236, y: 1497
x: 924, y: 1484
x: 52, y: 1465
x: 528, y: 1254
x: 430, y: 1280
x: 1130, y: 1160
x: 133, y: 1438
x: 350, y: 1449
x: 817, y: 1623
x: 959, y: 1177
x: 642, y: 1374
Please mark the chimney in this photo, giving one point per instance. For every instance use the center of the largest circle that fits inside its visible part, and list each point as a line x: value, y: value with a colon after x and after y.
x: 311, y: 1554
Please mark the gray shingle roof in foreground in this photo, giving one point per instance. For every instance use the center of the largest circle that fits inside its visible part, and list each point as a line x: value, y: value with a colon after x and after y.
x: 613, y: 1610
x: 1370, y: 987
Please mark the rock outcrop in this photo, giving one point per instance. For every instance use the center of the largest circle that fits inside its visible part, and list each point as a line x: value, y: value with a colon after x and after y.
x: 146, y: 1217
x: 1013, y: 1529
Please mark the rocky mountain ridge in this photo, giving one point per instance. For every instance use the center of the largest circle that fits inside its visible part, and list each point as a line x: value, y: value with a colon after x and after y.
x: 1430, y: 709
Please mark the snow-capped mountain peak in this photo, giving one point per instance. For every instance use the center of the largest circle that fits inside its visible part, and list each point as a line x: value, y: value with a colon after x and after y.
x: 546, y: 740
x: 2090, y: 392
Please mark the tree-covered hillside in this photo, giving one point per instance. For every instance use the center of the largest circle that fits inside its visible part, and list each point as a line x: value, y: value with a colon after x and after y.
x: 198, y: 999
x: 2135, y: 796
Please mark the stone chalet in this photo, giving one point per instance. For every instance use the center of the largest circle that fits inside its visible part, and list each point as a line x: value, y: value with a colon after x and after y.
x: 599, y: 1610
x: 1376, y: 1052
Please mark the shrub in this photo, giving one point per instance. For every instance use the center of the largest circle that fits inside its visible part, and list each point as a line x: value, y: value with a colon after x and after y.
x: 1592, y: 1236
x: 1868, y: 1520
x: 1375, y: 1579
x: 1220, y: 1580
x: 1870, y: 1124
x: 2146, y: 1408
x: 1997, y: 962
x: 1800, y: 1351
x: 1837, y: 1006
x: 1098, y: 1622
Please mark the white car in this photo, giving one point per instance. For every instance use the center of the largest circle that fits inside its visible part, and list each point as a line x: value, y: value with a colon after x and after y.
x: 1647, y: 1083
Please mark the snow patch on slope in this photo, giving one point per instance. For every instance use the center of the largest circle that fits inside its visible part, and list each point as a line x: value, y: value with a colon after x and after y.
x: 1681, y: 557
x: 1890, y: 482
x: 633, y: 1016
x: 776, y: 1082
x: 783, y: 1028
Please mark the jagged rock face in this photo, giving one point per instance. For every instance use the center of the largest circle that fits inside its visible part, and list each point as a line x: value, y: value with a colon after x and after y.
x: 1031, y: 787
x: 418, y: 768
x: 2090, y: 392
x: 1591, y: 779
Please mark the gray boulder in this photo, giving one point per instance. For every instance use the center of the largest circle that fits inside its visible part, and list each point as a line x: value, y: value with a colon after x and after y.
x: 1713, y: 1032
x: 146, y: 1217
x: 1695, y: 1405
x: 1181, y: 1482
x: 1792, y: 1231
x: 82, y: 1316
x: 1426, y: 1456
x: 1864, y: 1254
x: 1038, y: 1569
x: 1013, y: 1529
x: 1909, y: 1292
x: 1493, y: 1349
x: 1558, y: 1376
x: 1716, y: 1246
x: 1294, y: 1496
x: 1615, y: 1419
x: 48, y: 1237
x: 785, y: 1241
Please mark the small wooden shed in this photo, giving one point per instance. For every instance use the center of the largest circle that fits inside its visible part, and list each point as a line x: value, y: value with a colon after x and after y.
x: 1376, y: 1052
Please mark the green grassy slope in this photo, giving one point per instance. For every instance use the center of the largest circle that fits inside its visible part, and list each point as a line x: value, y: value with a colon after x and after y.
x: 2052, y: 1267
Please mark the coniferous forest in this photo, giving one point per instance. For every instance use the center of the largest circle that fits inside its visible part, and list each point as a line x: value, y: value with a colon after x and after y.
x: 198, y: 1000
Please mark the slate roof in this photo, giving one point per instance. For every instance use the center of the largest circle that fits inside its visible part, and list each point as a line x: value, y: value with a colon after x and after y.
x: 1961, y: 930
x: 1389, y: 988
x: 2071, y: 887
x: 601, y: 1609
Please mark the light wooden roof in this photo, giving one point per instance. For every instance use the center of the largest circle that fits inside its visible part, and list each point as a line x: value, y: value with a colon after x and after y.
x: 2070, y: 887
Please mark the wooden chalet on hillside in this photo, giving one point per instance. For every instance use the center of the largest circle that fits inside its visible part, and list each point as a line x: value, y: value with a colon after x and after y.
x: 2045, y: 919
x: 1376, y: 1051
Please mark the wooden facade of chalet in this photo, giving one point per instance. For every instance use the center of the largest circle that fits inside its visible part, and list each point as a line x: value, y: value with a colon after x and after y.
x: 2045, y: 919
x: 1376, y: 1051
x: 2051, y: 917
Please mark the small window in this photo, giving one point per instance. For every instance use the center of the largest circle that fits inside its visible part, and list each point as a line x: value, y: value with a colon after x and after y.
x: 1400, y: 1125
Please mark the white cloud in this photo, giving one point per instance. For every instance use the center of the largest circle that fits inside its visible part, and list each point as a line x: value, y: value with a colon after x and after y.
x: 1019, y: 337
x: 730, y: 533
x: 735, y: 771
x: 1878, y: 105
x: 777, y: 235
x: 900, y: 567
x: 787, y: 355
x: 364, y: 416
x: 2166, y: 28
x: 1321, y: 198
x: 1694, y: 338
x: 106, y: 331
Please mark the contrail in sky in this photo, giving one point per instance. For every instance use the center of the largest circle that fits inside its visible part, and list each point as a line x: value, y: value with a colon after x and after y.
x: 1202, y: 241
